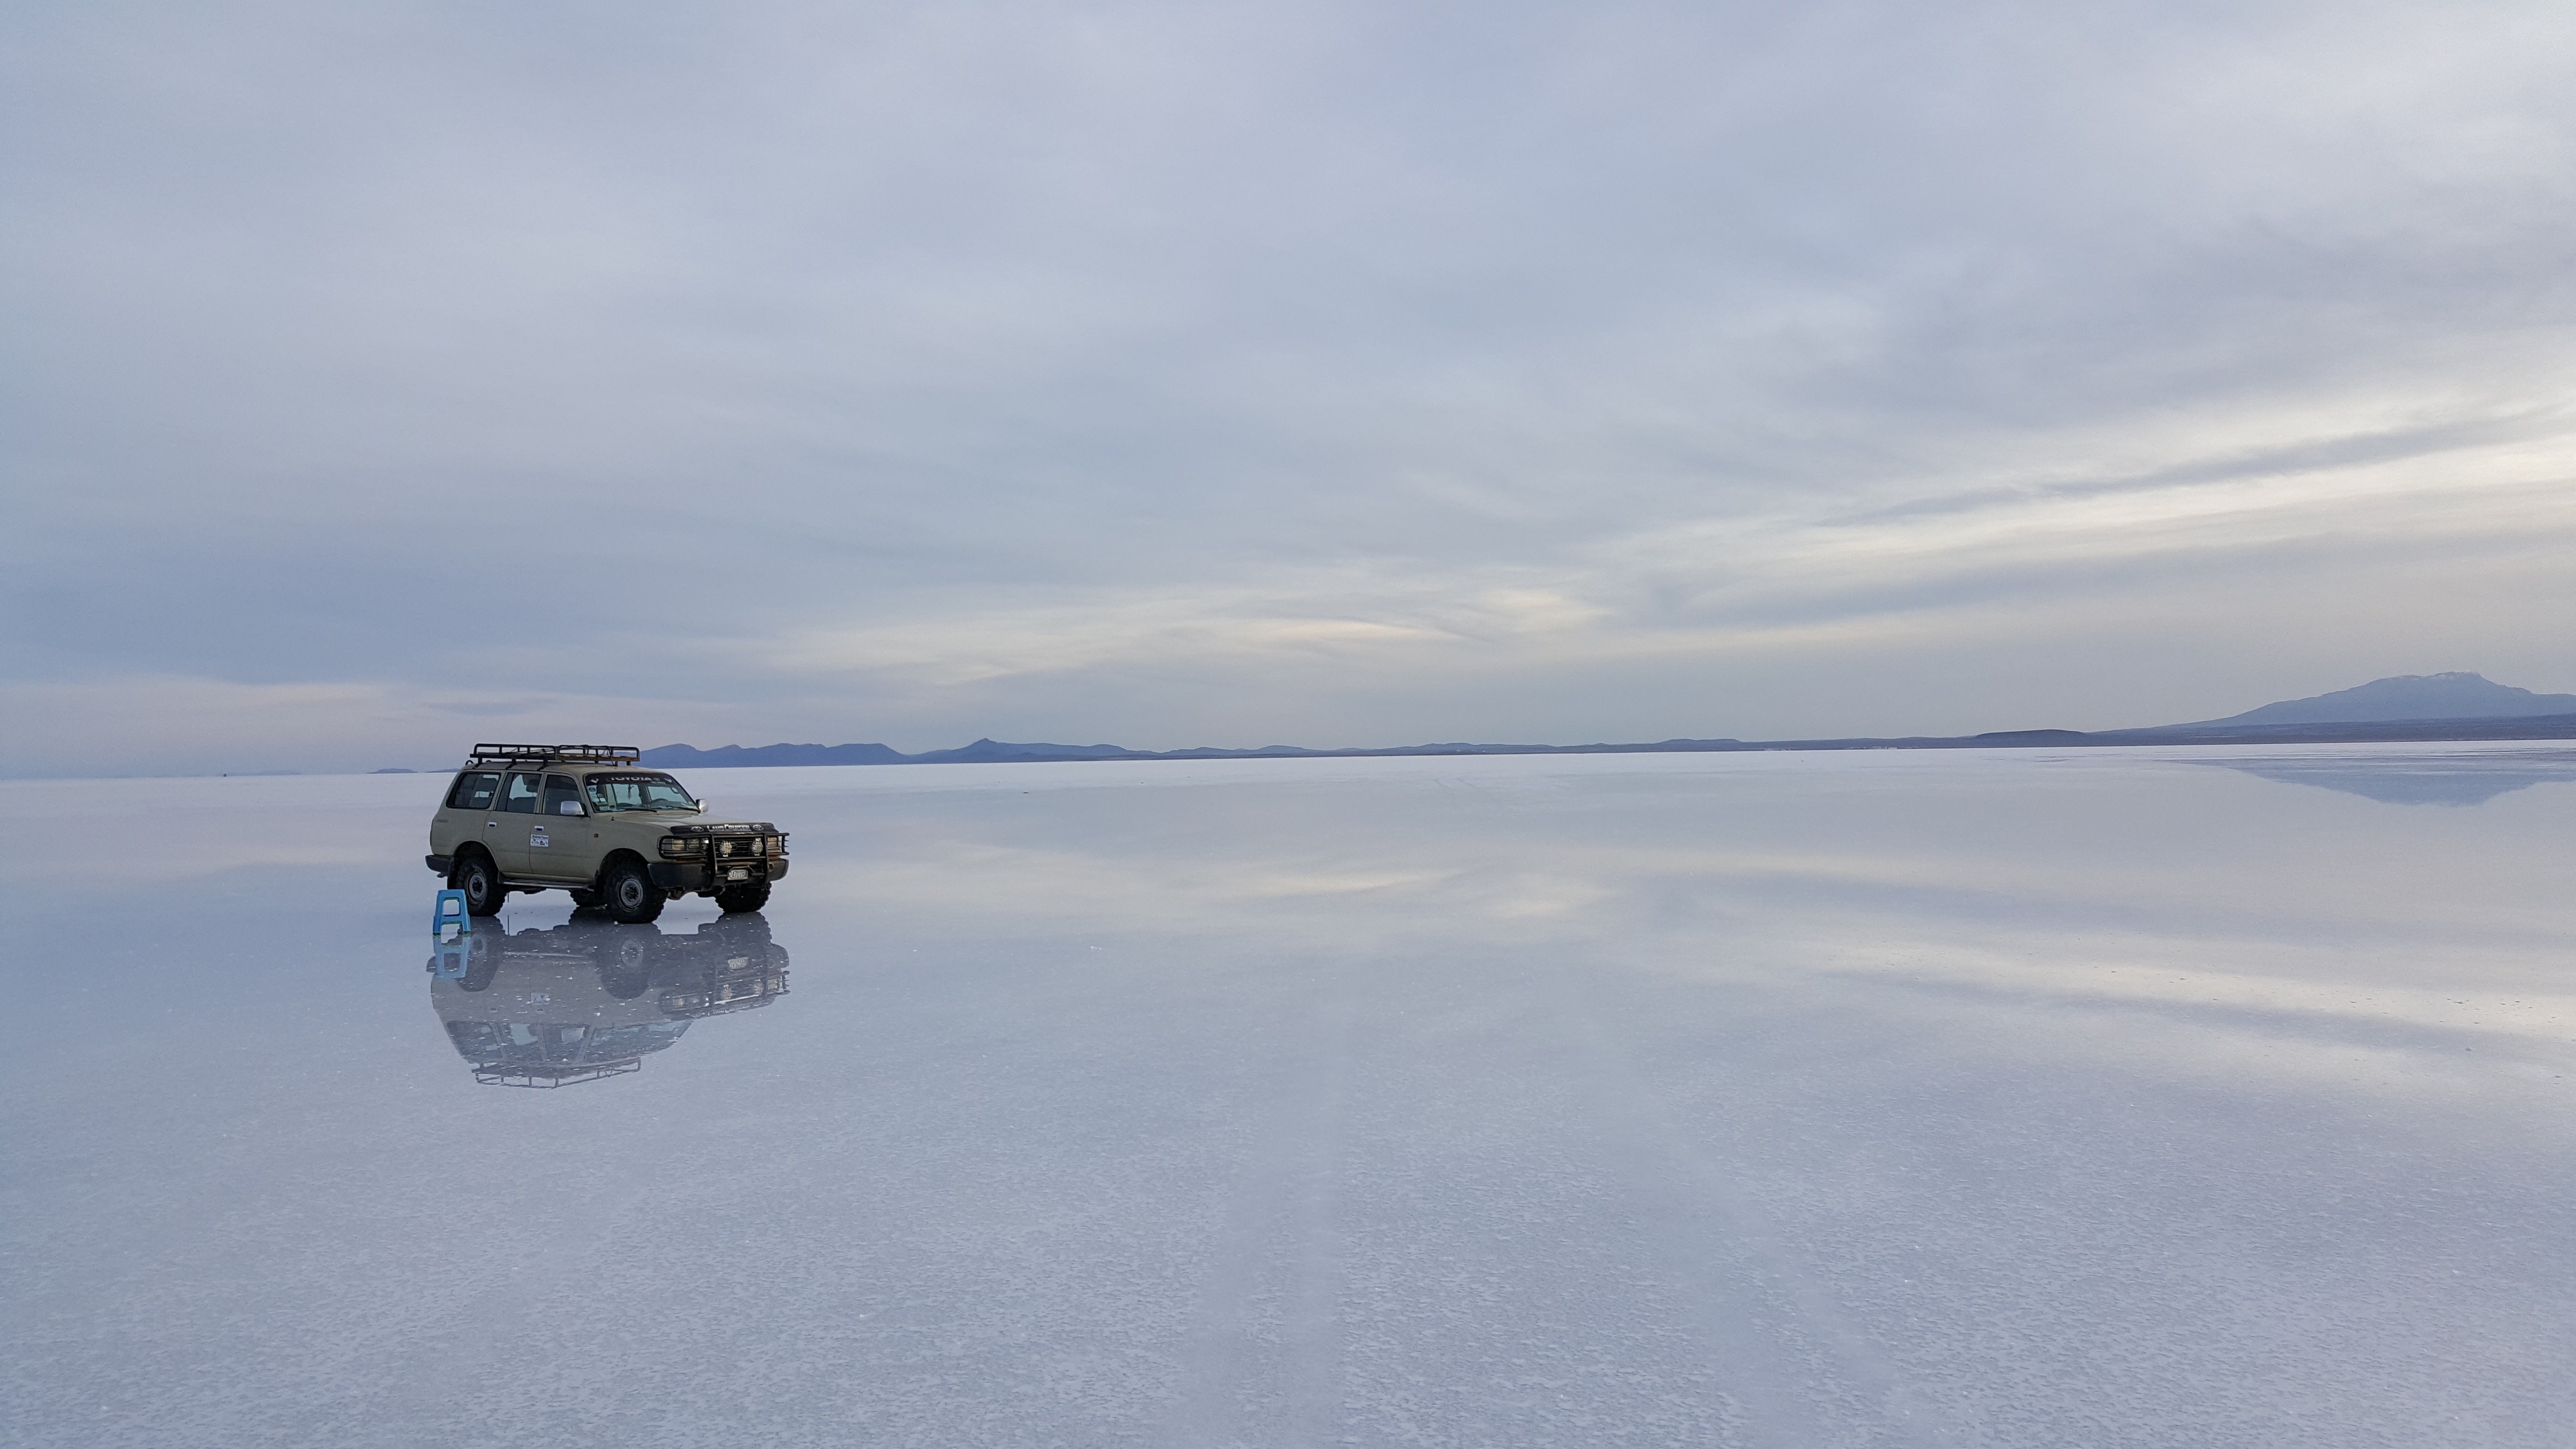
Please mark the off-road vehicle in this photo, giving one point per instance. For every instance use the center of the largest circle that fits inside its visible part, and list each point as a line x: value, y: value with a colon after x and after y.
x: 591, y: 820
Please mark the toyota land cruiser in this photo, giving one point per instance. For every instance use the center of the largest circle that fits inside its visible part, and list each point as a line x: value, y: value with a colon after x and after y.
x: 592, y: 821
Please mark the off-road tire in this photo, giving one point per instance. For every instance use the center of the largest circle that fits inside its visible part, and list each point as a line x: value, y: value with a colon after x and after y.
x: 480, y: 879
x: 743, y: 896
x: 627, y: 893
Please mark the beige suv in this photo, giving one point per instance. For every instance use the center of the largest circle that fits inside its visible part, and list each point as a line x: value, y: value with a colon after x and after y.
x: 591, y: 820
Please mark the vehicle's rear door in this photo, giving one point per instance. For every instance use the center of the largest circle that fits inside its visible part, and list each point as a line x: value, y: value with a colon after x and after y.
x: 521, y: 825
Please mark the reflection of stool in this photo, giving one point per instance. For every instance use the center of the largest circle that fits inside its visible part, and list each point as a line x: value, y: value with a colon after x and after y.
x: 449, y: 963
x: 440, y: 918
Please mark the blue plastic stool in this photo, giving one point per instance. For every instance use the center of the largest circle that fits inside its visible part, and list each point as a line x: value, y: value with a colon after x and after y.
x: 452, y: 959
x: 440, y: 920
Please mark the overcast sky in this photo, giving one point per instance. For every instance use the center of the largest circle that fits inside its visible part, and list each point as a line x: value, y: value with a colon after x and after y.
x: 380, y: 379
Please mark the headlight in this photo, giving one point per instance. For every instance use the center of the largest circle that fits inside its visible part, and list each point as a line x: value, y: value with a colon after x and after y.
x: 778, y: 845
x: 675, y: 848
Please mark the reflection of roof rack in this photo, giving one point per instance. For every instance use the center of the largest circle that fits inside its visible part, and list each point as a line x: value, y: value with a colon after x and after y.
x: 540, y: 1075
x: 579, y: 754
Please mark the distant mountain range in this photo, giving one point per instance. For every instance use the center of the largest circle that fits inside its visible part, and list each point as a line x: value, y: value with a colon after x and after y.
x: 2455, y: 706
x: 2405, y: 697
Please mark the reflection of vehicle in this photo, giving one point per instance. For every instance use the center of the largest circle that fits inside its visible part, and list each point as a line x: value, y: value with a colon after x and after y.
x: 591, y: 820
x: 588, y: 999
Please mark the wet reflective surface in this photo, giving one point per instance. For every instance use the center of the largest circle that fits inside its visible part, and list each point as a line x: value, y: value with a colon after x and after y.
x: 2012, y: 1098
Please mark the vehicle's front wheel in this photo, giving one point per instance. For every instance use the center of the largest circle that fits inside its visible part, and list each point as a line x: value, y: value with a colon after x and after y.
x: 481, y: 881
x: 748, y: 896
x: 626, y: 967
x: 628, y: 894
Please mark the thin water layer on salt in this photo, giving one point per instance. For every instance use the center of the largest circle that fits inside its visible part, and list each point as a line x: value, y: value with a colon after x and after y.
x: 2004, y: 1097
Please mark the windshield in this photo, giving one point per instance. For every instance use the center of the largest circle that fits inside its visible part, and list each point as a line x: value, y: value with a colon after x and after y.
x: 637, y: 792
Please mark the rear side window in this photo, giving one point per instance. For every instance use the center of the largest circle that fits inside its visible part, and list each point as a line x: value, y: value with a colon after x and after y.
x: 474, y: 790
x: 521, y: 797
x: 563, y: 797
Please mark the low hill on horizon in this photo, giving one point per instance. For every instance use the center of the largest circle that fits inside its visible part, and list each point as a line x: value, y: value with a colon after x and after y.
x: 688, y: 757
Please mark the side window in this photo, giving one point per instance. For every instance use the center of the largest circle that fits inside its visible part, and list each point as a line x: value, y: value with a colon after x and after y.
x: 521, y: 797
x: 563, y: 797
x: 474, y: 790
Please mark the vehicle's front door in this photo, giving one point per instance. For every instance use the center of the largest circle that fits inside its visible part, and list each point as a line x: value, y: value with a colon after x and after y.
x: 521, y: 825
x: 560, y: 846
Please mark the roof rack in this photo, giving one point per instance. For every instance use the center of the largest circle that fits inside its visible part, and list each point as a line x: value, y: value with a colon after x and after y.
x: 548, y: 754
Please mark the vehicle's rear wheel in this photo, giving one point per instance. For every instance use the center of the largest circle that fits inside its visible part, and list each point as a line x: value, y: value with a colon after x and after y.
x: 746, y: 896
x: 482, y: 963
x: 628, y: 894
x: 481, y: 881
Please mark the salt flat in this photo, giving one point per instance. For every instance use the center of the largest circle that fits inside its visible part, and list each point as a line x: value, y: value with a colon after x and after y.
x: 2013, y: 1098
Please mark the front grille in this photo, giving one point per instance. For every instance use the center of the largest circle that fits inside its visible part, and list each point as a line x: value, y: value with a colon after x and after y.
x: 728, y: 849
x: 718, y: 995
